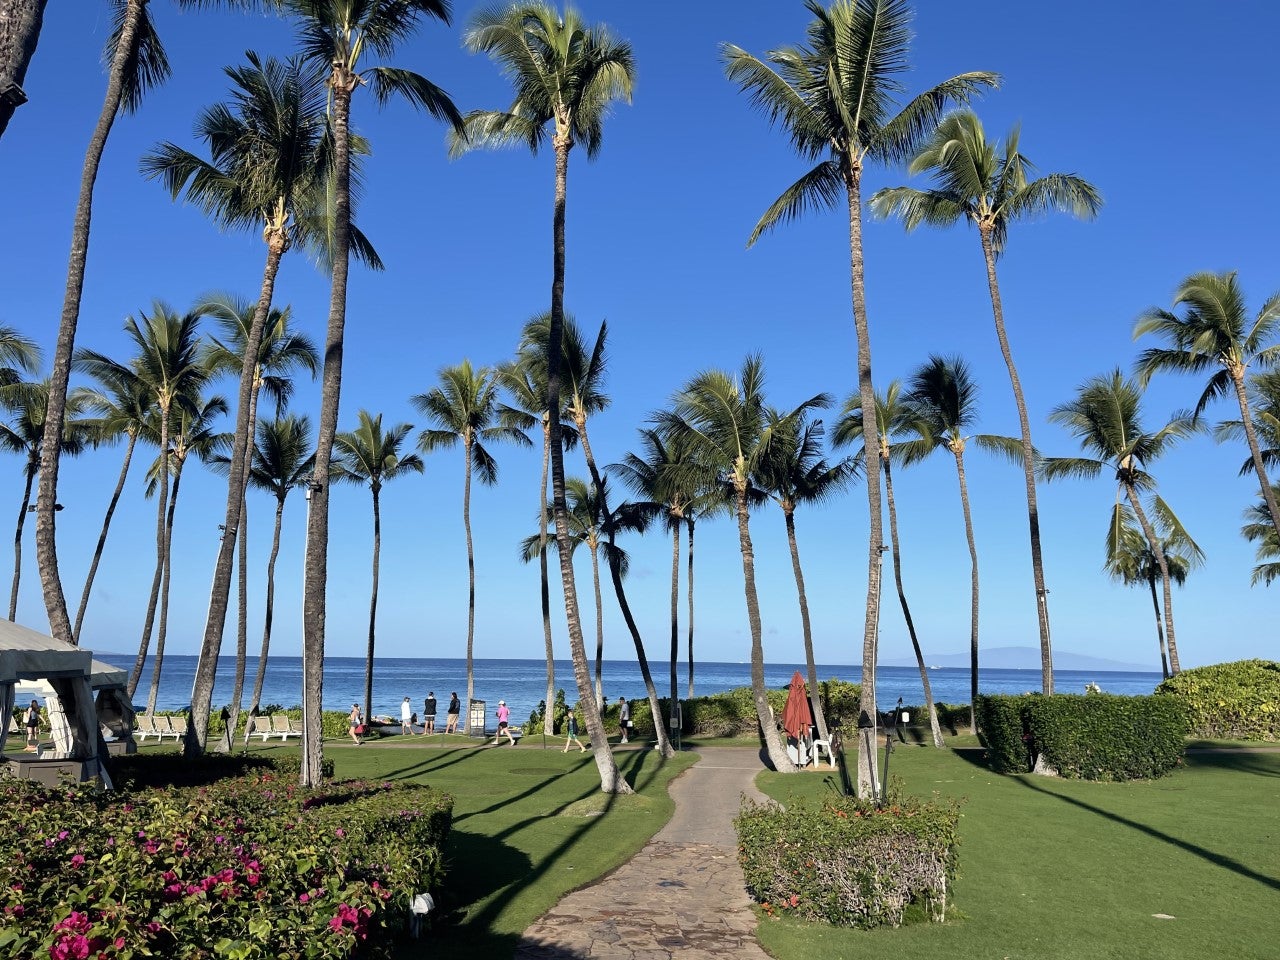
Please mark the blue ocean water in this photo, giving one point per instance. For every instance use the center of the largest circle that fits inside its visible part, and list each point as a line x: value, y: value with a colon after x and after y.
x: 522, y: 683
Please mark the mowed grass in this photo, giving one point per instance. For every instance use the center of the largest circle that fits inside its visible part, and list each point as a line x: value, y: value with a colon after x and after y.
x: 1067, y: 869
x: 529, y: 826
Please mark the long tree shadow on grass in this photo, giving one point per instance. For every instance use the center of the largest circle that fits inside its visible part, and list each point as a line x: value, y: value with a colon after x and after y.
x: 1241, y: 761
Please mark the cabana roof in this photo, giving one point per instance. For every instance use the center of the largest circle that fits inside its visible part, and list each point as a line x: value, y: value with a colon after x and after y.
x: 27, y: 654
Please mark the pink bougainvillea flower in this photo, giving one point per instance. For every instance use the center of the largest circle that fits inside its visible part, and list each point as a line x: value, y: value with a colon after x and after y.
x: 78, y: 860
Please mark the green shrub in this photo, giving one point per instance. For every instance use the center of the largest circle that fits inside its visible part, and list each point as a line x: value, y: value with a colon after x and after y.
x: 840, y: 705
x: 253, y: 867
x: 1002, y: 732
x: 848, y: 863
x: 1232, y: 701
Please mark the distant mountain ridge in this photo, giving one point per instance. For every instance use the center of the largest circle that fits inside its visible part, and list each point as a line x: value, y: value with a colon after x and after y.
x: 1024, y: 658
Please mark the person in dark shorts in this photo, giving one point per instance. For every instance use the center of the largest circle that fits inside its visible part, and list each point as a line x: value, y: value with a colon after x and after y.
x: 429, y: 714
x: 451, y: 722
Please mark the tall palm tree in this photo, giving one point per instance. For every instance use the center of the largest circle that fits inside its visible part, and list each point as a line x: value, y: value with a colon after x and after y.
x: 280, y: 352
x: 137, y: 62
x: 525, y: 382
x: 797, y: 474
x: 1106, y: 418
x: 23, y: 434
x: 368, y: 454
x: 943, y: 398
x: 566, y: 76
x: 894, y: 418
x: 1131, y: 561
x: 339, y: 36
x: 836, y: 99
x: 1215, y: 333
x: 990, y: 185
x: 725, y: 417
x: 712, y: 500
x: 20, y: 22
x: 119, y: 406
x: 464, y: 409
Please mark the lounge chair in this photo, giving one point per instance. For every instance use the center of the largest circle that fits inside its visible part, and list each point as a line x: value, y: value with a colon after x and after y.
x: 178, y: 727
x: 281, y: 727
x: 263, y: 726
x: 144, y: 725
x: 295, y: 727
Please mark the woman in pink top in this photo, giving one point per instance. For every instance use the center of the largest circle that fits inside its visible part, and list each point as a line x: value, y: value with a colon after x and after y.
x: 504, y: 726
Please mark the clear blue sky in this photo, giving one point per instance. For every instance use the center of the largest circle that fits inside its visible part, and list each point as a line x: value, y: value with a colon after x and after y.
x: 1169, y: 110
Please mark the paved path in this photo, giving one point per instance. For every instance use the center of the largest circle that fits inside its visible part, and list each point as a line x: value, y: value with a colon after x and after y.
x: 681, y: 895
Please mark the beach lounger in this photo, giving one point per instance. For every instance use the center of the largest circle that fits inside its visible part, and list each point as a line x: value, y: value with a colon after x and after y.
x: 262, y: 726
x: 295, y: 727
x: 144, y: 725
x: 281, y: 727
x: 178, y: 727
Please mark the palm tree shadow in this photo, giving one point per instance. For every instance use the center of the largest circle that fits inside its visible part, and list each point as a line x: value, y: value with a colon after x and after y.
x: 1262, y: 765
x: 1218, y: 859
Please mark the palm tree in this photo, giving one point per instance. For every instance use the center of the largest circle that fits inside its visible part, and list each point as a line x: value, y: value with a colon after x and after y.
x: 1215, y: 332
x: 23, y: 434
x: 988, y: 184
x: 1259, y: 529
x: 369, y: 455
x: 464, y: 408
x: 712, y: 499
x: 280, y: 351
x: 835, y: 97
x: 566, y: 76
x: 794, y: 474
x: 137, y: 62
x: 724, y: 416
x: 18, y: 355
x: 20, y: 22
x: 335, y: 35
x: 893, y: 418
x: 1105, y: 417
x: 1131, y: 561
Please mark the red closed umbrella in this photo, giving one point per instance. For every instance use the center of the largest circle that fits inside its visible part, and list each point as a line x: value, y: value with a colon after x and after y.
x: 797, y: 715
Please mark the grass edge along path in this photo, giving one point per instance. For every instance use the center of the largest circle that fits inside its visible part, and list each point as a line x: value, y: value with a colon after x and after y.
x: 1180, y: 868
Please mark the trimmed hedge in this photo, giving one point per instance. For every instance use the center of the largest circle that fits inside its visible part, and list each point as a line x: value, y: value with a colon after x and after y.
x: 1229, y: 701
x: 848, y: 863
x: 1088, y: 737
x: 168, y: 768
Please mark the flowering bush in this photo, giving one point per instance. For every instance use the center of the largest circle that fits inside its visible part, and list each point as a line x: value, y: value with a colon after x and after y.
x: 849, y: 863
x: 245, y: 868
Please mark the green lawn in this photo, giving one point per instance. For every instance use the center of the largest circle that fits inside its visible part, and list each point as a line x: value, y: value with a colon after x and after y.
x: 1068, y: 869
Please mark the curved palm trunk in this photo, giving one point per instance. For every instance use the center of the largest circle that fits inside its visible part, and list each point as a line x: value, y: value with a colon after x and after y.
x: 973, y: 590
x: 19, y: 34
x: 675, y: 606
x: 1154, y: 542
x: 934, y: 728
x: 611, y: 780
x: 871, y: 437
x: 595, y: 583
x: 32, y: 467
x: 162, y: 507
x: 615, y: 574
x: 102, y: 537
x: 768, y: 728
x: 471, y: 578
x: 548, y: 717
x: 815, y: 698
x: 373, y: 606
x: 1028, y: 465
x: 237, y: 481
x: 162, y: 626
x: 1251, y: 435
x: 242, y: 625
x: 46, y: 539
x: 1155, y: 603
x: 261, y: 674
x: 317, y: 563
x: 689, y: 587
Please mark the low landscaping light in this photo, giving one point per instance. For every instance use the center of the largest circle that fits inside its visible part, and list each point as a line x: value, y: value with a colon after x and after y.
x: 419, y: 907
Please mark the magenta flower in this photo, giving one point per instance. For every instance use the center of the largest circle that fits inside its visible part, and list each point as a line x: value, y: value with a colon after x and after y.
x: 73, y: 947
x: 77, y: 860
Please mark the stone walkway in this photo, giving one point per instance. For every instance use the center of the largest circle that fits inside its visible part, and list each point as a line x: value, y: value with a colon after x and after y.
x: 680, y: 895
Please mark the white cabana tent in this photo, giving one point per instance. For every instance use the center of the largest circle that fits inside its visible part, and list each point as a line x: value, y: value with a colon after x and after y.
x: 27, y: 657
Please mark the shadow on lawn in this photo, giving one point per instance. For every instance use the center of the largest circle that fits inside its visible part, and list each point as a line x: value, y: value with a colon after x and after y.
x: 1242, y: 761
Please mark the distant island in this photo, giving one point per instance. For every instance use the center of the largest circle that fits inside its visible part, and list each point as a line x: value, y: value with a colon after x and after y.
x: 1024, y: 658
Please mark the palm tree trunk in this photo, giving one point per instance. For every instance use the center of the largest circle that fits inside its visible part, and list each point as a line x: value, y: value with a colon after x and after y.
x: 32, y: 466
x: 973, y: 590
x: 548, y: 717
x: 1154, y: 542
x: 814, y: 696
x: 270, y: 608
x: 20, y: 22
x: 162, y: 627
x: 932, y: 709
x: 102, y: 537
x: 768, y: 726
x: 1028, y: 466
x: 471, y: 577
x: 1155, y: 603
x: 675, y: 606
x: 46, y: 538
x: 871, y: 438
x: 237, y: 480
x: 595, y: 583
x: 373, y: 609
x: 317, y: 550
x: 1251, y: 435
x: 242, y: 625
x: 162, y: 506
x: 611, y: 780
x: 689, y: 586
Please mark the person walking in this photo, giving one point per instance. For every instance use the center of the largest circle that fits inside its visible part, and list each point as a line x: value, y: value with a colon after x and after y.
x: 32, y: 722
x: 504, y: 724
x: 624, y: 718
x: 451, y: 721
x: 406, y: 718
x: 571, y: 733
x: 429, y: 714
x: 355, y: 724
